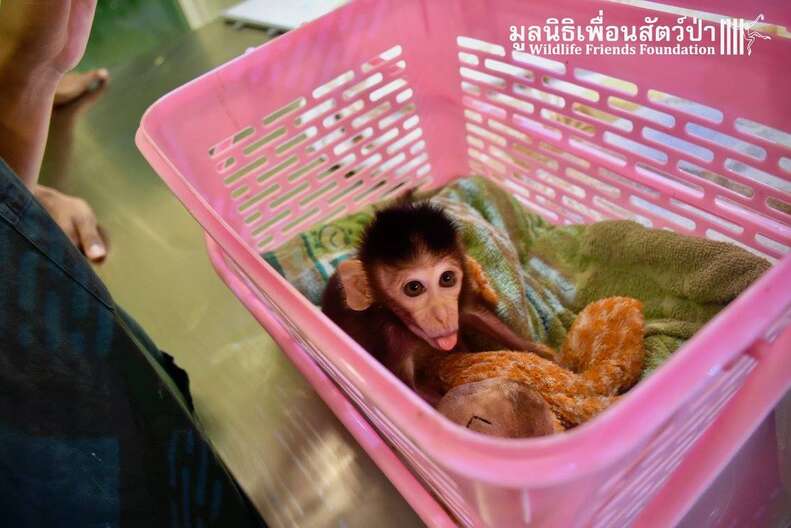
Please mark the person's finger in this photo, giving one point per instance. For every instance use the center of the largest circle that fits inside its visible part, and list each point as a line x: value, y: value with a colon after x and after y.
x: 73, y: 85
x: 91, y: 80
x: 102, y: 75
x: 71, y: 231
x: 66, y: 223
x: 90, y: 240
x: 105, y: 235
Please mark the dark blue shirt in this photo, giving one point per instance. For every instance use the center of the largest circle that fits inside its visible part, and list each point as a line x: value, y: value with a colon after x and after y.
x: 95, y: 421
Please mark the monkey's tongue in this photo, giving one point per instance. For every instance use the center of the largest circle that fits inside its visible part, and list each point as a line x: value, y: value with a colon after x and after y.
x: 447, y: 342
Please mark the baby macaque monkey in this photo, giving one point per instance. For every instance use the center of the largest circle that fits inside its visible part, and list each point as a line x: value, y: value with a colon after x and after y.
x: 412, y: 292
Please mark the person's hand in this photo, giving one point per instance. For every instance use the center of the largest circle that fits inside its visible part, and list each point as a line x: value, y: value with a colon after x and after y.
x: 74, y: 85
x: 76, y: 218
x: 46, y: 35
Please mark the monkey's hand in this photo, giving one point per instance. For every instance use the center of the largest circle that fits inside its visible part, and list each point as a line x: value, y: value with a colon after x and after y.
x: 489, y: 325
x: 76, y: 218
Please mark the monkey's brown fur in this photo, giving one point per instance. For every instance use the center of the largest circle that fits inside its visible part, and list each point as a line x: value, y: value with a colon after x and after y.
x: 601, y: 358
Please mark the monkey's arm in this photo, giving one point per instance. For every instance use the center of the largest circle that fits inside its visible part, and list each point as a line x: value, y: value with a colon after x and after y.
x: 411, y: 360
x: 489, y: 325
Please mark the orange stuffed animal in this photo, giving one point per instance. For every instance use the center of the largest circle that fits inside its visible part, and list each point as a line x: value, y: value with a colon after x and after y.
x: 601, y: 357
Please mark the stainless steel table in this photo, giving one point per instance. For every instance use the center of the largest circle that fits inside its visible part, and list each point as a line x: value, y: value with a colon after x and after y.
x: 295, y: 460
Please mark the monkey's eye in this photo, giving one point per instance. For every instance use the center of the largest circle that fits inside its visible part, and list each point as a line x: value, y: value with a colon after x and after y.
x: 414, y: 288
x: 447, y: 279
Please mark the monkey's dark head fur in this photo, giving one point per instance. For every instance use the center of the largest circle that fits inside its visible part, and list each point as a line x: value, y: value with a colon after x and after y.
x: 398, y: 233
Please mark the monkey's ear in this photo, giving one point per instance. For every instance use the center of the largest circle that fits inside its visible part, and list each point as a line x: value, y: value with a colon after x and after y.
x: 479, y: 281
x: 355, y: 284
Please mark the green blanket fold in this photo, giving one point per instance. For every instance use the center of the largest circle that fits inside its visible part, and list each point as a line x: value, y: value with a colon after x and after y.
x: 546, y: 274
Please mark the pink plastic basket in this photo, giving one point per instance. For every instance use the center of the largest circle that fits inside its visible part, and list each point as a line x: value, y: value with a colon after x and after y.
x: 381, y: 95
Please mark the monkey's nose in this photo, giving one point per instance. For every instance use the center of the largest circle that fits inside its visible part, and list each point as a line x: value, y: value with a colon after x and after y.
x: 444, y: 315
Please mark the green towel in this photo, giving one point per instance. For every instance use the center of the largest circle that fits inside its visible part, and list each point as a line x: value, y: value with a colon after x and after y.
x: 545, y: 274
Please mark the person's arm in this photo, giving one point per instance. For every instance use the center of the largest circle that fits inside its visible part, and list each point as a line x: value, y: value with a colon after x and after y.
x: 40, y: 40
x: 25, y: 108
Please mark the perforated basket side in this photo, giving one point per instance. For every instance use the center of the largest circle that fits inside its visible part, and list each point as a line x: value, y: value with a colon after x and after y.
x: 700, y: 145
x: 352, y: 140
x: 319, y: 122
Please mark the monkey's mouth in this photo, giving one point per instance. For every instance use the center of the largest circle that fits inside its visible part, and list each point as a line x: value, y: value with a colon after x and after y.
x: 444, y: 341
x: 447, y: 342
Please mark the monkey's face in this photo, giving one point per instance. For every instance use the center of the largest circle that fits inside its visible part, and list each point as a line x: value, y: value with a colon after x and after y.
x: 426, y: 294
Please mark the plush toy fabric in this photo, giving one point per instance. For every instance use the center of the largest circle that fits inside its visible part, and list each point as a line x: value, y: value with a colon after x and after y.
x: 500, y: 407
x: 601, y: 357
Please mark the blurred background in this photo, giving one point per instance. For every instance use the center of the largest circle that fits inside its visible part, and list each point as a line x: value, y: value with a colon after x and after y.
x: 124, y: 29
